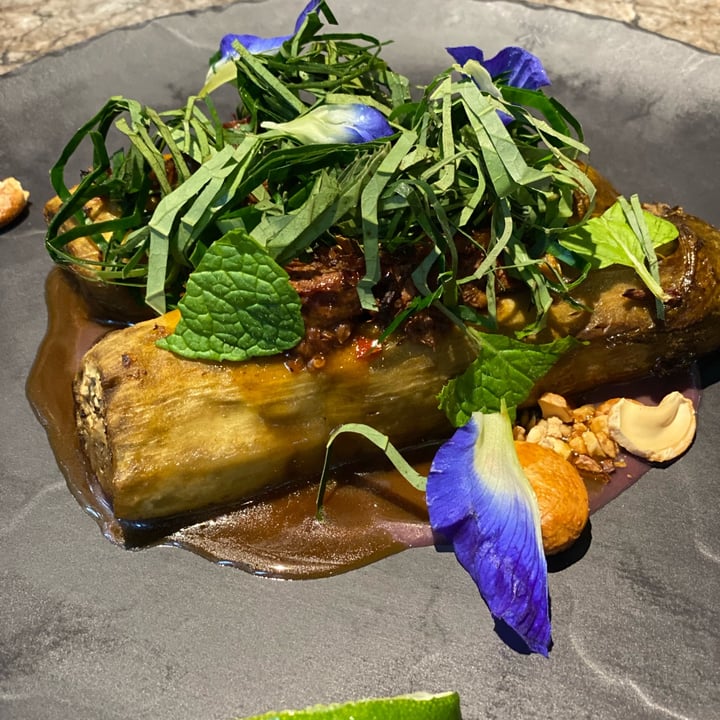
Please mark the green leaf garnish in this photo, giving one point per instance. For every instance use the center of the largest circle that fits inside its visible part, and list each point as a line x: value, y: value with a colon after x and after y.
x: 239, y: 304
x: 623, y: 235
x: 504, y: 373
x: 370, y: 223
x: 380, y: 441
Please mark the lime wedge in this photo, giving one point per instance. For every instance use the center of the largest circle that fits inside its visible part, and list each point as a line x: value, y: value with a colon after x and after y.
x: 415, y: 706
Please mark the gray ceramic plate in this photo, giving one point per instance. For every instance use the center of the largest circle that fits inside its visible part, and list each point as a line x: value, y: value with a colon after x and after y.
x: 88, y: 630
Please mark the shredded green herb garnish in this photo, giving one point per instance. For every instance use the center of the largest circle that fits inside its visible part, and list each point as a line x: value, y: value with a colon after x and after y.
x: 466, y: 159
x: 382, y: 442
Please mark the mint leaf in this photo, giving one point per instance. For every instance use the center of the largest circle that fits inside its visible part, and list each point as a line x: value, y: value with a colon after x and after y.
x: 504, y: 371
x: 239, y: 304
x: 610, y: 240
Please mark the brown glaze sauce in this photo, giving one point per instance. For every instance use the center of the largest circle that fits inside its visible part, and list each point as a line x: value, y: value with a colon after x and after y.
x: 369, y: 513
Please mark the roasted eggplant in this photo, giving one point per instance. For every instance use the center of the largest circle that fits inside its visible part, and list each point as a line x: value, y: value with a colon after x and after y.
x: 167, y: 435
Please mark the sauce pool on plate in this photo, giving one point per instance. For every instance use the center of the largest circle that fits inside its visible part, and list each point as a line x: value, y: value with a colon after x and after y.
x: 369, y: 512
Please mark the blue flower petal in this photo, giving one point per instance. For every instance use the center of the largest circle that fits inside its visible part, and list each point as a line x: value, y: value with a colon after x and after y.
x: 252, y: 43
x: 366, y: 123
x: 310, y: 7
x: 518, y: 68
x: 515, y: 66
x: 479, y: 498
x: 341, y: 123
x: 258, y: 45
x: 463, y: 53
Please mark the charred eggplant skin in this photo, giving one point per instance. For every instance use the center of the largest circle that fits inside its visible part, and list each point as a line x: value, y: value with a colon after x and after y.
x: 167, y: 436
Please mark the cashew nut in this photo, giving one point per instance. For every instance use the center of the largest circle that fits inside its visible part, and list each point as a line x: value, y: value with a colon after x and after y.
x: 656, y: 432
x: 554, y: 405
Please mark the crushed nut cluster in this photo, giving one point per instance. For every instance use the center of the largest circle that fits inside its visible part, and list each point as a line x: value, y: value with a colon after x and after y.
x: 13, y: 200
x: 580, y: 434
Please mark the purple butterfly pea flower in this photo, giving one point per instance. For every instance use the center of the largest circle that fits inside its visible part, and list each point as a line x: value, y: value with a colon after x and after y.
x: 256, y: 44
x: 480, y: 500
x: 514, y: 66
x: 341, y: 123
